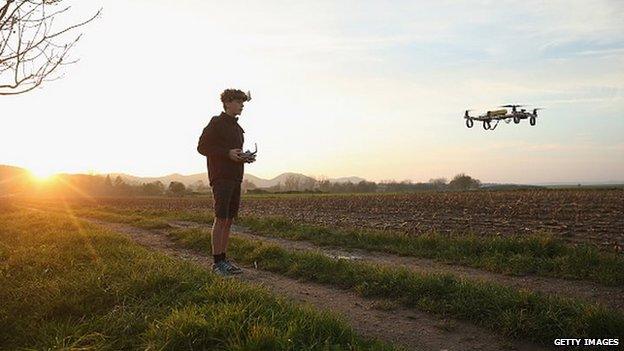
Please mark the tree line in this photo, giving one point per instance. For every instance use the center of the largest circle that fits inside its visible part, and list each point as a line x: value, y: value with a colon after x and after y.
x: 294, y: 184
x: 98, y: 185
x: 88, y: 185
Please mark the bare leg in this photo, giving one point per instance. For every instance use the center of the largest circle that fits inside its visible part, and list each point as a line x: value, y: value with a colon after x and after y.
x: 218, y: 229
x: 226, y: 233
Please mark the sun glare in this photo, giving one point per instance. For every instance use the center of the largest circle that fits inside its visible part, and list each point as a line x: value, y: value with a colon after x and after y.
x: 41, y: 175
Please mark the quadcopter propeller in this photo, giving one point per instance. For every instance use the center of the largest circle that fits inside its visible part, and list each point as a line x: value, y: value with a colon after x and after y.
x: 512, y: 106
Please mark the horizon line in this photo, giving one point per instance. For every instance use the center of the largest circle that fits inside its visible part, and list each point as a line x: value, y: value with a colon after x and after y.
x: 582, y: 182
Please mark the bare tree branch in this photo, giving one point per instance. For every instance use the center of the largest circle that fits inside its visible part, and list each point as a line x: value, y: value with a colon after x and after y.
x: 31, y: 48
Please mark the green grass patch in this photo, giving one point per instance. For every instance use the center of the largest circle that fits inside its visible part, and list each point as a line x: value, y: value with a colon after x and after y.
x: 138, y: 217
x: 67, y: 284
x: 537, y: 254
x: 508, y: 311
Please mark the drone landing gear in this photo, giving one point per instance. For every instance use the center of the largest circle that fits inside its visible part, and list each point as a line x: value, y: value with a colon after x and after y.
x: 469, y: 122
x: 516, y: 119
x: 487, y: 125
x: 532, y: 121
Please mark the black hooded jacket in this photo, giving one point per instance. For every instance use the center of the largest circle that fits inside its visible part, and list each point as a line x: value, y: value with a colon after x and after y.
x: 222, y: 134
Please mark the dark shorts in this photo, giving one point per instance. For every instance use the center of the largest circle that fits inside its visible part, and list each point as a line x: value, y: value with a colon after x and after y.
x: 226, y: 194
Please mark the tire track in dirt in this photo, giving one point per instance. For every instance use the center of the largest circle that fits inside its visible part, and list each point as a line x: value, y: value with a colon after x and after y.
x: 586, y: 291
x: 401, y: 326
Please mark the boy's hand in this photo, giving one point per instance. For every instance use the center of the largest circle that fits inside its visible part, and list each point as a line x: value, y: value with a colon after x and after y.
x: 235, y: 155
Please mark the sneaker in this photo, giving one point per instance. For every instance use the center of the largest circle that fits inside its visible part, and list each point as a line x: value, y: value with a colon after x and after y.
x: 221, y: 268
x: 232, y: 268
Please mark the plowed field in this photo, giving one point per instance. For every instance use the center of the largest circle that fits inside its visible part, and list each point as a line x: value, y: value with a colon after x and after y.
x: 593, y: 216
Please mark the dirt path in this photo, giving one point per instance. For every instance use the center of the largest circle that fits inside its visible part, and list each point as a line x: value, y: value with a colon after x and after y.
x: 587, y: 291
x: 401, y: 326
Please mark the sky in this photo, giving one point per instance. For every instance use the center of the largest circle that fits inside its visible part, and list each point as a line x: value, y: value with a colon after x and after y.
x: 340, y: 88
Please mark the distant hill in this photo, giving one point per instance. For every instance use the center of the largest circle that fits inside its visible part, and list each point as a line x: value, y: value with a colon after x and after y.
x: 174, y: 177
x: 353, y: 180
x: 17, y: 180
x: 193, y: 178
x: 265, y: 183
x: 13, y: 179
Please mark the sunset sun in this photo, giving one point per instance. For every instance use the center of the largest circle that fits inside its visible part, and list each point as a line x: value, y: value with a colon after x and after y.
x: 41, y: 174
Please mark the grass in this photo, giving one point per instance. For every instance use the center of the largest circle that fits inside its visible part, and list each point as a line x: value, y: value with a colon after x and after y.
x: 539, y: 254
x: 512, y: 312
x: 66, y: 284
x: 508, y: 311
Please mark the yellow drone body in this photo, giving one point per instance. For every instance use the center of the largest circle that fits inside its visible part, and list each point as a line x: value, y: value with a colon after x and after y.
x: 497, y: 113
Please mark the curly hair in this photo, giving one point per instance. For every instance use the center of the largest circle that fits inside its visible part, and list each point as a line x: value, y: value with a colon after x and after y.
x: 233, y: 94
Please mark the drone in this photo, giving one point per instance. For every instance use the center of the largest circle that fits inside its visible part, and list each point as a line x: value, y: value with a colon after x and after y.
x: 502, y: 114
x: 248, y: 156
